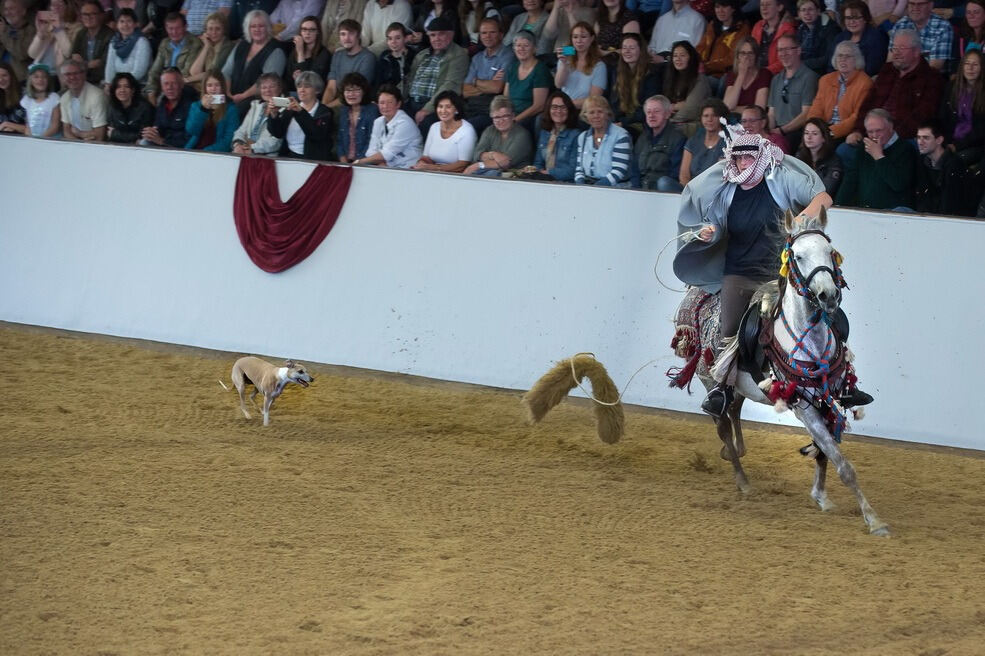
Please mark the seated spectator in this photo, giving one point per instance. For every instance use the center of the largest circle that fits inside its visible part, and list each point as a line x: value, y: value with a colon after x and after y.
x: 635, y: 80
x: 440, y: 67
x: 337, y: 11
x: 83, y: 106
x: 91, y: 42
x: 139, y: 7
x: 451, y: 139
x: 129, y: 50
x: 532, y: 20
x: 308, y: 53
x: 396, y: 140
x: 860, y: 30
x: 350, y: 58
x: 289, y: 15
x: 747, y: 83
x: 212, y: 121
x: 503, y: 145
x: 941, y: 181
x: 215, y: 48
x: 393, y: 66
x: 766, y: 32
x: 582, y: 74
x: 881, y: 175
x: 908, y: 88
x: 685, y: 87
x: 447, y: 9
x: 963, y: 111
x: 54, y: 30
x: 377, y: 18
x: 557, y: 30
x: 604, y: 149
x: 305, y: 125
x: 256, y: 54
x: 16, y: 34
x: 970, y: 32
x: 557, y: 145
x: 660, y: 149
x: 612, y: 21
x: 707, y: 145
x: 171, y: 115
x: 486, y: 77
x: 253, y: 135
x: 180, y: 50
x: 755, y: 119
x: 527, y: 83
x: 680, y: 23
x: 40, y: 103
x: 196, y: 11
x: 12, y: 113
x: 792, y: 92
x: 473, y: 14
x: 721, y: 38
x: 816, y: 32
x: 840, y: 94
x: 936, y: 36
x: 817, y: 149
x: 356, y: 116
x: 129, y: 113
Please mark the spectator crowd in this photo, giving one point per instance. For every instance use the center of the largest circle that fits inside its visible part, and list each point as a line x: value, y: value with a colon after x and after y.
x: 885, y: 99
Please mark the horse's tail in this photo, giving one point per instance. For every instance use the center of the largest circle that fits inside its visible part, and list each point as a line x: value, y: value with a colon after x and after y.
x: 566, y: 374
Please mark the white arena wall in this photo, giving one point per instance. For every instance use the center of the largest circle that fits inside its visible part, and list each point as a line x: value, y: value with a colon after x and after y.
x: 141, y: 243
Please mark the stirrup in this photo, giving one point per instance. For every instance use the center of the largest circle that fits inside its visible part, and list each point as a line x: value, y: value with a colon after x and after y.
x: 719, y: 399
x: 856, y: 398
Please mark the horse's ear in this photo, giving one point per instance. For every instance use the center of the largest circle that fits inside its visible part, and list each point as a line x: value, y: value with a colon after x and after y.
x: 788, y: 222
x: 822, y: 218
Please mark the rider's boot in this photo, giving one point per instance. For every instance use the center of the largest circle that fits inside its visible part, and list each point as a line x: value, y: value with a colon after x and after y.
x: 854, y: 398
x: 719, y: 399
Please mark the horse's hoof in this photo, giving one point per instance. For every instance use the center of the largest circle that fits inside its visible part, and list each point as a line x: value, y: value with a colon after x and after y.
x: 824, y: 503
x: 881, y: 531
x: 743, y: 486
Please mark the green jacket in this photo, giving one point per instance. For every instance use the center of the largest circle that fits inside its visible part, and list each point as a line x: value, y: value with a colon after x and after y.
x: 189, y: 52
x: 882, y: 184
x: 451, y: 71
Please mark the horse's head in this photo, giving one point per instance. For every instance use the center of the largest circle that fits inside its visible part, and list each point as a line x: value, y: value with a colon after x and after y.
x: 810, y: 264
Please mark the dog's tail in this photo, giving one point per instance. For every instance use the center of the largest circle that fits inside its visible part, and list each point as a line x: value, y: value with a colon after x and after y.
x: 553, y: 386
x: 223, y: 386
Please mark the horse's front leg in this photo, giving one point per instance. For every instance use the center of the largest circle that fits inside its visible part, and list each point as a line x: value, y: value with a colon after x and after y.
x: 818, y: 492
x: 815, y: 425
x: 735, y: 416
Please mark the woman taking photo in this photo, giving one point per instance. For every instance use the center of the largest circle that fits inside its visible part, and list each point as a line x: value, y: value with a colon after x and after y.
x: 685, y: 87
x: 706, y: 146
x: 841, y: 113
x: 253, y: 136
x: 582, y: 74
x: 722, y: 35
x: 963, y: 111
x: 817, y: 150
x: 527, y: 80
x: 604, y: 149
x: 305, y: 124
x: 451, y: 140
x: 635, y: 80
x: 129, y: 112
x: 503, y: 145
x: 257, y: 53
x: 356, y: 116
x: 746, y: 84
x: 212, y: 120
x: 216, y: 47
x: 129, y: 50
x: 872, y: 41
x: 557, y: 145
x: 308, y: 53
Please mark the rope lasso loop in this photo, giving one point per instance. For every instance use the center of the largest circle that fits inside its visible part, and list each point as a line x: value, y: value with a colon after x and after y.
x: 574, y: 377
x: 687, y: 236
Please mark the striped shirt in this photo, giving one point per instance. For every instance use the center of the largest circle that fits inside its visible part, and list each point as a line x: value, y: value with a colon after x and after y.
x: 606, y: 163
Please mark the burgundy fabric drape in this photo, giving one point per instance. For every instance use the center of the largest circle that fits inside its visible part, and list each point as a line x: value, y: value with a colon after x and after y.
x: 276, y: 234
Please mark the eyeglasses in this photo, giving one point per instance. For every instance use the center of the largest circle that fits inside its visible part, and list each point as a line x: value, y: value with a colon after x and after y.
x: 559, y: 107
x: 899, y: 49
x: 502, y: 117
x: 784, y: 92
x: 784, y: 51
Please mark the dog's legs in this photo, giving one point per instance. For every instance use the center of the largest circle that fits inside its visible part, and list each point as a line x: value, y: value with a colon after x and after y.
x: 267, y: 402
x: 242, y: 401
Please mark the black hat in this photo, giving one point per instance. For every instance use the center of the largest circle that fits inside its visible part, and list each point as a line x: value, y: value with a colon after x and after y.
x: 440, y: 24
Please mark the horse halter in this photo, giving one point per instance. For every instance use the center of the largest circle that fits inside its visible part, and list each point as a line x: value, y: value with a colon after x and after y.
x: 792, y: 272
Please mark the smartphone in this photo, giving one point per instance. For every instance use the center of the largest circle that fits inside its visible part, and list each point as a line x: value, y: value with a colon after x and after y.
x: 568, y: 51
x: 281, y: 101
x: 218, y: 99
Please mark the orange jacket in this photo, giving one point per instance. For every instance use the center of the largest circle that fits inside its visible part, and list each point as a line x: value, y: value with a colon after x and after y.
x: 717, y: 54
x: 823, y: 106
x: 785, y: 27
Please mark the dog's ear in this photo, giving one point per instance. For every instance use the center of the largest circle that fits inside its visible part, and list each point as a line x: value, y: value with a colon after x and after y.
x: 289, y: 363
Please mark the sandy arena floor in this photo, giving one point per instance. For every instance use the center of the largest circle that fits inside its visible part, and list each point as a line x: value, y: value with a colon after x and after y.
x: 140, y: 513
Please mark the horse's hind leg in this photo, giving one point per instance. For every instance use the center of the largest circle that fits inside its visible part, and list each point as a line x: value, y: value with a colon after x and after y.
x: 826, y: 442
x: 734, y: 414
x: 818, y: 492
x: 729, y: 452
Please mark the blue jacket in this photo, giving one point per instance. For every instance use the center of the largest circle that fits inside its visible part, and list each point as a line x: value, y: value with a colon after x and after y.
x: 566, y: 154
x: 173, y: 126
x: 197, y: 117
x: 364, y: 128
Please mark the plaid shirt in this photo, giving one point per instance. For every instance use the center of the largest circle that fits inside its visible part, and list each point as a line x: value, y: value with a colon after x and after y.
x: 936, y: 37
x: 426, y: 79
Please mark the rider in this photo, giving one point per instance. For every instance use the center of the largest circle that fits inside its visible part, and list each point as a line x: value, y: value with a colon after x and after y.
x: 735, y: 207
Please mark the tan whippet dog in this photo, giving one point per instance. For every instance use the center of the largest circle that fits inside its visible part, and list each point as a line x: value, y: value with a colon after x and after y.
x: 267, y: 379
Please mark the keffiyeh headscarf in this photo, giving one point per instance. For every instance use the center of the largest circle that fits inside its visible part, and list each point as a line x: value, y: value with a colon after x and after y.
x: 740, y: 142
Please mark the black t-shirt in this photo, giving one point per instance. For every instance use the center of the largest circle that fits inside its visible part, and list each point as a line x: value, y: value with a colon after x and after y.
x: 754, y: 239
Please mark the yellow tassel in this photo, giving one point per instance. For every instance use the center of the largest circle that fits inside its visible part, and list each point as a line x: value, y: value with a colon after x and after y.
x: 784, y: 270
x: 784, y: 255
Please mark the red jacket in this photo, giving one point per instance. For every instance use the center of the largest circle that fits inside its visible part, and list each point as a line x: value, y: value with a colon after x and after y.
x: 785, y: 27
x: 911, y: 99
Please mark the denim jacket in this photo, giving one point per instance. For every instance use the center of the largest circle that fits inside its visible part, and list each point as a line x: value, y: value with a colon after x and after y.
x: 364, y: 128
x: 566, y: 153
